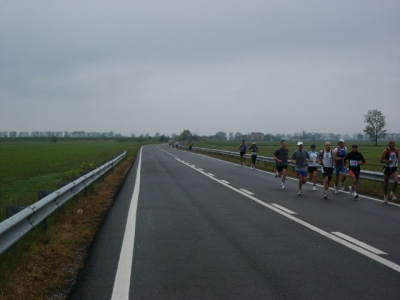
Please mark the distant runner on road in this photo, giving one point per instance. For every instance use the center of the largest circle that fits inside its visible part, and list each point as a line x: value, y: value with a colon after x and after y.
x: 243, y: 148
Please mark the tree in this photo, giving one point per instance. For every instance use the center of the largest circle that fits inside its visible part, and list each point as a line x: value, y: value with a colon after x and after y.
x: 221, y: 136
x: 238, y: 136
x: 185, y: 135
x: 163, y: 138
x: 376, y: 124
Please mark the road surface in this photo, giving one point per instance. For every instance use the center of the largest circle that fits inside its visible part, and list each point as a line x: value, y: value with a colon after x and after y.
x: 188, y: 226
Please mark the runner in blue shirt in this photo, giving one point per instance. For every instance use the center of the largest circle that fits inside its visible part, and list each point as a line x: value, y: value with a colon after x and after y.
x: 243, y: 148
x: 300, y: 159
x: 339, y: 154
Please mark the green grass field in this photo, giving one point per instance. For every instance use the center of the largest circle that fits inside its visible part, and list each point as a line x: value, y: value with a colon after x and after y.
x: 29, y: 166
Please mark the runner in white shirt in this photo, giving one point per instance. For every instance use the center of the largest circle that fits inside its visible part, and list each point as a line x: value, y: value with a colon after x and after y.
x: 312, y: 168
x: 327, y: 160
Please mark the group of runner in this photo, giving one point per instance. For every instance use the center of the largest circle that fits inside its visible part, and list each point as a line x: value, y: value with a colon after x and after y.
x: 331, y: 162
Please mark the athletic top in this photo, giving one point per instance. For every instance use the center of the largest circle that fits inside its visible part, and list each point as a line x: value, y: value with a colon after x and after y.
x: 354, y: 158
x: 340, y: 152
x: 253, y: 150
x: 393, y: 156
x: 243, y: 148
x: 313, y: 159
x: 327, y: 159
x: 301, y: 158
x: 283, y: 155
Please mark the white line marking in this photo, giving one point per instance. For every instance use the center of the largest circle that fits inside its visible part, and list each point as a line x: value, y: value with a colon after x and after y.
x: 247, y: 192
x: 284, y: 209
x: 123, y: 276
x: 210, y: 174
x: 224, y: 181
x: 312, y: 227
x: 359, y: 243
x: 200, y: 169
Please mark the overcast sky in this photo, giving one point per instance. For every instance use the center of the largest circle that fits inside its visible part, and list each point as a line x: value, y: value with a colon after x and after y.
x: 165, y: 66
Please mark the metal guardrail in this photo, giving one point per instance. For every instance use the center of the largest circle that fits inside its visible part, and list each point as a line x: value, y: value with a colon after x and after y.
x: 369, y: 175
x: 15, y: 227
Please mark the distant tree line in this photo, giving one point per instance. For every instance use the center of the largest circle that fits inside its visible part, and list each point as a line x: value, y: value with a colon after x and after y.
x: 60, y: 134
x: 374, y: 131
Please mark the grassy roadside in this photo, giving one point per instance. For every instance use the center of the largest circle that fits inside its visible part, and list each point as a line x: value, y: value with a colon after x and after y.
x: 44, y: 264
x: 29, y: 166
x: 49, y: 267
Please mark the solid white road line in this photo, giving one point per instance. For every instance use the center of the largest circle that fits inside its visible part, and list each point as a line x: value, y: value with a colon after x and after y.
x: 247, y: 192
x: 284, y: 209
x: 123, y: 276
x: 359, y: 243
x: 224, y: 181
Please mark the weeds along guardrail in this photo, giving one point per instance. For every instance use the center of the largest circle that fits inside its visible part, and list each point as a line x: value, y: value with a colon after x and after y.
x: 369, y: 175
x: 15, y: 227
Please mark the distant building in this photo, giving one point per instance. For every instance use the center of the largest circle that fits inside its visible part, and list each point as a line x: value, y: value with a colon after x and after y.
x: 257, y: 136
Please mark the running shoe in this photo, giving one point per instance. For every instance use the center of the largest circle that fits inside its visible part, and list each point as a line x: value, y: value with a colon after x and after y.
x: 282, y: 186
x: 325, y: 195
x: 276, y: 174
x: 314, y: 188
x: 355, y: 196
x: 336, y: 189
x: 341, y: 186
x: 350, y: 190
x: 299, y: 193
x: 385, y: 199
x: 393, y: 196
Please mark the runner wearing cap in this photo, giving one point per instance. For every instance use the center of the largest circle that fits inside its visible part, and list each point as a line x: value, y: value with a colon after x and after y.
x: 355, y: 159
x: 253, y: 149
x: 300, y: 159
x: 339, y: 154
x: 313, y: 166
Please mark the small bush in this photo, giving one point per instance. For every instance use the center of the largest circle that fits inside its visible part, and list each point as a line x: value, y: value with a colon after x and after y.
x: 54, y: 139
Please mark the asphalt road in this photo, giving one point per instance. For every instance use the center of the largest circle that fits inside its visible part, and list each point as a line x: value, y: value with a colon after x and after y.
x: 187, y: 226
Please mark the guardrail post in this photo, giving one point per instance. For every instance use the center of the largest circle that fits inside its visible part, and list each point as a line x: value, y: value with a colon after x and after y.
x: 12, y: 210
x: 61, y: 184
x: 41, y: 195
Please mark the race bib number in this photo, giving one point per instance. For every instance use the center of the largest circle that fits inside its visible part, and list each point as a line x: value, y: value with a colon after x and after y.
x: 353, y: 163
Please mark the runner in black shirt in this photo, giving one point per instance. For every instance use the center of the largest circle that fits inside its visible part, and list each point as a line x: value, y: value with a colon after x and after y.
x: 355, y: 159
